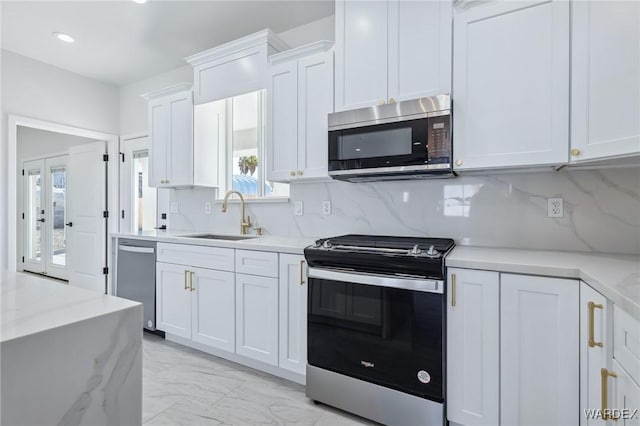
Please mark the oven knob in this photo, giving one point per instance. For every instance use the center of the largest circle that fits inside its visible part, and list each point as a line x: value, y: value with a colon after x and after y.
x: 317, y: 244
x: 432, y: 252
x: 327, y: 244
x: 415, y: 251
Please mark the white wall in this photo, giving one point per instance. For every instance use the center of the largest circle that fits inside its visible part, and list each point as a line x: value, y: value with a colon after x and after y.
x: 37, y: 90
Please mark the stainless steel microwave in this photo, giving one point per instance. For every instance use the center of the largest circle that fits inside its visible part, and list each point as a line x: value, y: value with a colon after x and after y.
x: 404, y: 140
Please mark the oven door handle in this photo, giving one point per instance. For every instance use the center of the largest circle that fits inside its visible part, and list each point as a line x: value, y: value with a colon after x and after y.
x: 415, y: 284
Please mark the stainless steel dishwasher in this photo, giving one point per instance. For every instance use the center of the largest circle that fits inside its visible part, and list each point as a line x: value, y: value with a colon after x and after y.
x: 136, y: 276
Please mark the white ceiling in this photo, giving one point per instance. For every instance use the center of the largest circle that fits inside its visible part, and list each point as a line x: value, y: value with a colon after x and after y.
x: 120, y: 42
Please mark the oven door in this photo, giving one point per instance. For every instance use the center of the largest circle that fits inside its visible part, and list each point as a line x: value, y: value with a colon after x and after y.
x: 417, y: 144
x: 378, y: 329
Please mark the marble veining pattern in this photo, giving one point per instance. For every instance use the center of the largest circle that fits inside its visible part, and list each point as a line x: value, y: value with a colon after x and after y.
x: 602, y: 210
x: 182, y: 386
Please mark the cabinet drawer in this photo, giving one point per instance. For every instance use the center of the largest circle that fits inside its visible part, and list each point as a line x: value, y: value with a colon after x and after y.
x: 626, y: 342
x: 257, y: 263
x: 199, y: 256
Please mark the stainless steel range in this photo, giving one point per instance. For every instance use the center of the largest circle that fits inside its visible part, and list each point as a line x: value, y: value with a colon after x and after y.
x: 376, y: 326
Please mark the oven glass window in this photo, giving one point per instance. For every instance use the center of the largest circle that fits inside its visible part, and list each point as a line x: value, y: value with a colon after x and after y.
x: 373, y: 144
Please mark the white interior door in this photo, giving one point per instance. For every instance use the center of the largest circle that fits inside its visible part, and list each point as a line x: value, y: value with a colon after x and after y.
x: 86, y: 187
x: 33, y: 219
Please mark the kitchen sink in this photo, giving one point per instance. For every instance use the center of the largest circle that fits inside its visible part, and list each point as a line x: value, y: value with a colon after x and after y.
x: 219, y: 237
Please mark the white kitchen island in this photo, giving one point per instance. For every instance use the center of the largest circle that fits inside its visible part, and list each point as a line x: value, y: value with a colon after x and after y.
x: 68, y: 356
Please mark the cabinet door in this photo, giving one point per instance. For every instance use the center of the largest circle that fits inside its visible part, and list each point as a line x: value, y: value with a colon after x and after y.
x: 419, y: 49
x: 511, y: 84
x: 158, y: 125
x: 361, y: 53
x: 605, y: 96
x: 473, y: 347
x: 293, y: 313
x: 539, y: 374
x: 282, y: 122
x: 595, y: 350
x: 315, y: 102
x: 173, y: 299
x: 213, y: 308
x: 626, y: 397
x: 180, y: 139
x: 257, y: 318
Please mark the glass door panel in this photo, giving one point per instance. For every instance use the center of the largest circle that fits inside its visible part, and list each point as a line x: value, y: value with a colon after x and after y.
x: 144, y: 196
x: 56, y: 229
x: 34, y: 216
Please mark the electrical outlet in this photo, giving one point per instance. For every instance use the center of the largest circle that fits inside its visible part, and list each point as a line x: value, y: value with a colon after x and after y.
x: 207, y: 208
x: 298, y: 208
x: 326, y: 207
x: 174, y: 207
x: 555, y: 207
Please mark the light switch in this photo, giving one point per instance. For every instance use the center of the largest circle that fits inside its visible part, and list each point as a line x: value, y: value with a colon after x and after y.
x: 174, y: 207
x: 207, y: 208
x: 326, y: 207
x: 298, y: 208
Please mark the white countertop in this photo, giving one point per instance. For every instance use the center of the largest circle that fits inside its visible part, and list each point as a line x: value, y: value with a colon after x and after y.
x: 617, y: 277
x: 31, y: 304
x: 263, y: 242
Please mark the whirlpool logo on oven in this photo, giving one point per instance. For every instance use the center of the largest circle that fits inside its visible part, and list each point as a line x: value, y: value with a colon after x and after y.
x: 424, y: 377
x: 367, y: 364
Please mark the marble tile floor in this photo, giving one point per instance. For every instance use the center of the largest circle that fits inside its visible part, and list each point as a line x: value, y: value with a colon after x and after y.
x: 183, y: 386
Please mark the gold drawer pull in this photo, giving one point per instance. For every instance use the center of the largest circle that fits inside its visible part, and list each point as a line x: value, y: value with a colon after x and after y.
x: 453, y: 289
x: 191, y: 281
x: 592, y: 341
x: 302, y: 272
x: 186, y: 274
x: 604, y: 375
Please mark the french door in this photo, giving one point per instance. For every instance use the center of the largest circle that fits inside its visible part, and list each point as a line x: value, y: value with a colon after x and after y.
x: 45, y: 217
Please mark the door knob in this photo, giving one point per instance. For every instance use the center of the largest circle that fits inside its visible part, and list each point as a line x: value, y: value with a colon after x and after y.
x: 69, y: 224
x: 40, y: 220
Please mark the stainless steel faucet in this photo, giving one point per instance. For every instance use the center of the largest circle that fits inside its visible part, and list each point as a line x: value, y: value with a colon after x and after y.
x: 244, y: 224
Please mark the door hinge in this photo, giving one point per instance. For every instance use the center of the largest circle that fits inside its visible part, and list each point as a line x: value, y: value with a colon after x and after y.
x: 123, y: 214
x: 105, y: 270
x: 105, y: 157
x: 122, y: 154
x: 22, y: 259
x: 105, y: 214
x: 22, y: 215
x: 22, y: 172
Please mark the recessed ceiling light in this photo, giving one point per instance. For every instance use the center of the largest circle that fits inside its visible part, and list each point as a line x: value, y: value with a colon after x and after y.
x: 64, y: 37
x: 140, y: 1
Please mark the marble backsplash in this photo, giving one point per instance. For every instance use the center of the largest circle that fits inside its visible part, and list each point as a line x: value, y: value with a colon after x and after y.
x: 601, y: 210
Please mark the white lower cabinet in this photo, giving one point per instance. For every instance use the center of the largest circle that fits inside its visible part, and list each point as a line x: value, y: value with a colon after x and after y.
x: 173, y: 299
x: 625, y: 397
x: 293, y: 313
x: 595, y: 350
x: 473, y: 347
x: 257, y: 318
x: 512, y: 349
x: 212, y: 308
x: 539, y: 368
x: 196, y: 304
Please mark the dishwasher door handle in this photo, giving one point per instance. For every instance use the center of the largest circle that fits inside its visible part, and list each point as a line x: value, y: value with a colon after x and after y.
x: 135, y: 249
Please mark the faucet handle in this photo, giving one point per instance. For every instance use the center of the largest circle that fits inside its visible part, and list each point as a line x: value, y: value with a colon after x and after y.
x: 248, y: 223
x: 259, y: 230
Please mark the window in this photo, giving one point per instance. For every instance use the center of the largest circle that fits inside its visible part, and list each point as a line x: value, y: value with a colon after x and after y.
x: 238, y: 125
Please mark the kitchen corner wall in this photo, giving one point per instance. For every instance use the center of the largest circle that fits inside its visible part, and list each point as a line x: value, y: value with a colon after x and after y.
x: 601, y: 210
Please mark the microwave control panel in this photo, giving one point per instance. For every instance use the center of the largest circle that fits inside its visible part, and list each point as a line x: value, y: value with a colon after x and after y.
x: 439, y: 140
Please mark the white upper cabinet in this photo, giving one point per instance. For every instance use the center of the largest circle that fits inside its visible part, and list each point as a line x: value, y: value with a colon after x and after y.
x: 300, y: 97
x: 233, y: 68
x: 419, y: 49
x: 605, y: 103
x: 539, y: 351
x: 176, y: 158
x: 511, y: 84
x: 389, y: 51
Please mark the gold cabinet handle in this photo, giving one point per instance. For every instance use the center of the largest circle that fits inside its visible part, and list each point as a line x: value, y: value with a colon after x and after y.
x: 302, y: 272
x: 604, y: 375
x: 299, y: 172
x: 458, y: 163
x: 453, y: 289
x: 392, y: 101
x: 381, y: 102
x: 575, y: 152
x: 292, y: 173
x: 592, y: 307
x: 191, y: 280
x: 186, y: 275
